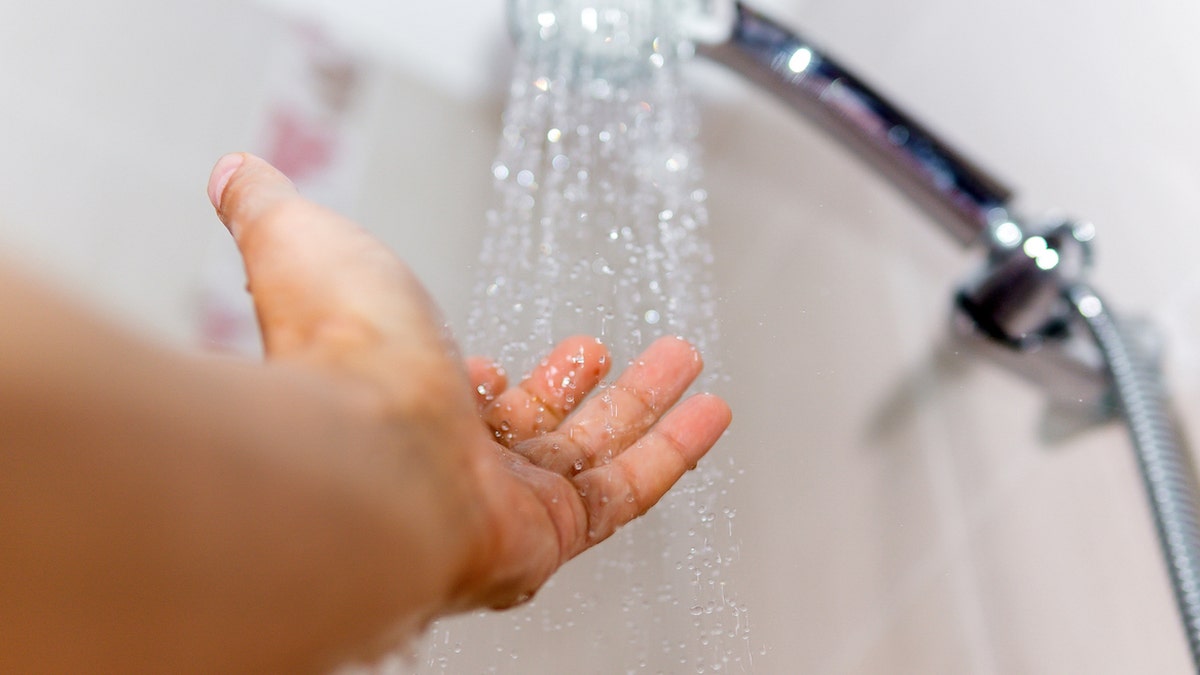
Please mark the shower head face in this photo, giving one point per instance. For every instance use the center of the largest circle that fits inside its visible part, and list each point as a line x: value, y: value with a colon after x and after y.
x: 619, y: 29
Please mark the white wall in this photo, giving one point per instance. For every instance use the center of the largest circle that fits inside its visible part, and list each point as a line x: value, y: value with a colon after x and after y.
x: 898, y: 511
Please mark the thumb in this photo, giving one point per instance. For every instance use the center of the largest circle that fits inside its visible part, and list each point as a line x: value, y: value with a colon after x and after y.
x: 319, y: 281
x: 267, y: 187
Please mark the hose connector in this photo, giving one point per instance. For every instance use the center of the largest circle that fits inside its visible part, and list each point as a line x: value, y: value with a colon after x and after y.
x: 1017, y: 299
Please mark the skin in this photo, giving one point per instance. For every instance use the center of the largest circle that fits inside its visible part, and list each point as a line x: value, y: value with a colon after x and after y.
x: 169, y: 512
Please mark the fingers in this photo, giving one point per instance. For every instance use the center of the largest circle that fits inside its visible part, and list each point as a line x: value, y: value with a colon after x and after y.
x: 317, y: 278
x: 636, y: 479
x: 550, y: 392
x: 608, y: 424
x: 487, y: 380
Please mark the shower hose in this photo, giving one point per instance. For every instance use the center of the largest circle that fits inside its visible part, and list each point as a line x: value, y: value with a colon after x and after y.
x: 1166, y: 468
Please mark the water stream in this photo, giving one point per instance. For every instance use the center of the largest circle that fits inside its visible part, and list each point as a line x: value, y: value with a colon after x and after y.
x: 599, y: 228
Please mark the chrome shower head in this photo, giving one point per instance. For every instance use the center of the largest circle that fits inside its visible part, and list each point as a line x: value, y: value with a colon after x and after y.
x: 619, y: 26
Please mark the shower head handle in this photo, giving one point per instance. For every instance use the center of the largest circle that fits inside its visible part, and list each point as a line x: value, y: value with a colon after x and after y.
x: 966, y: 200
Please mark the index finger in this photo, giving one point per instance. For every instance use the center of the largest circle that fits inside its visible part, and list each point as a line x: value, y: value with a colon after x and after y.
x: 549, y: 392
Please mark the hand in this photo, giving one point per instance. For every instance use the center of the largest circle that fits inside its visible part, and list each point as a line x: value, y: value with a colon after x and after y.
x: 535, y: 483
x: 567, y: 480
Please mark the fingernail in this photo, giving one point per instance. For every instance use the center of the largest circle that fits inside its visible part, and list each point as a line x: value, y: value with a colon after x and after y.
x: 221, y: 174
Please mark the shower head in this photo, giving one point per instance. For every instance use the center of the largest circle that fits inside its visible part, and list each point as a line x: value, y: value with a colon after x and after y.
x: 620, y: 27
x: 960, y: 196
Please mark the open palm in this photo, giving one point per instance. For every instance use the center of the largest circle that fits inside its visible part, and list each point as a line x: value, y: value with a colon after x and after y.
x: 575, y: 476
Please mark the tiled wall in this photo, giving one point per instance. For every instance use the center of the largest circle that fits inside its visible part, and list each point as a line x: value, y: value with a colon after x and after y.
x: 899, y: 510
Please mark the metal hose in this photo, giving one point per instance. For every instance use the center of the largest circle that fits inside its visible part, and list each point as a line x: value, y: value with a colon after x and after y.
x: 1166, y: 467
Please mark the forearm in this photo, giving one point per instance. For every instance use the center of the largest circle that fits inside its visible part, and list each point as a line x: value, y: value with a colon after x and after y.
x: 160, y: 512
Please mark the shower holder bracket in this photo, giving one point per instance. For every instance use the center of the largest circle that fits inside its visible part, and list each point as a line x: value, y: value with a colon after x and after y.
x: 1016, y: 313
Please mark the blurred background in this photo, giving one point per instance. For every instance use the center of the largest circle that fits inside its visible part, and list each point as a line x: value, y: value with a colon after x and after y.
x: 900, y: 508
